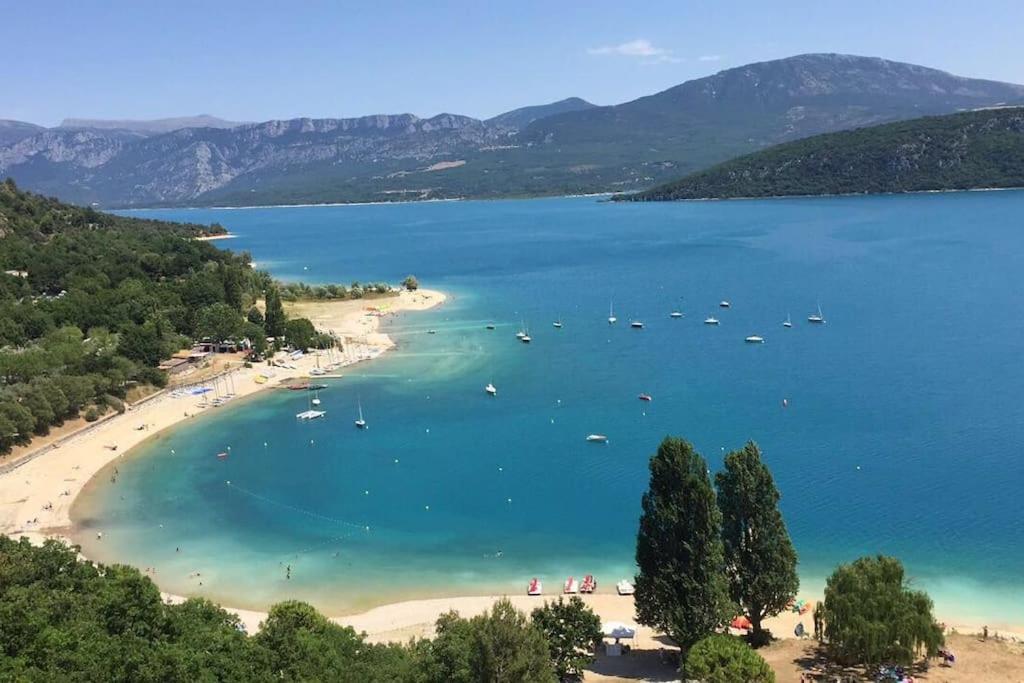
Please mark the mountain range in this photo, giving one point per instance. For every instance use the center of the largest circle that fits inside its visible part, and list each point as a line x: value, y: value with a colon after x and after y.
x: 565, y: 147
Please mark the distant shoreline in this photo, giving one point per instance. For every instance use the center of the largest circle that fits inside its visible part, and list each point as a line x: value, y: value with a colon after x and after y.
x: 323, y: 204
x: 817, y: 196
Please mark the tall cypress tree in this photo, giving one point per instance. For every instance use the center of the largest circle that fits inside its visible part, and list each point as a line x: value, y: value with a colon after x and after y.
x: 681, y: 587
x: 274, y: 319
x: 759, y: 556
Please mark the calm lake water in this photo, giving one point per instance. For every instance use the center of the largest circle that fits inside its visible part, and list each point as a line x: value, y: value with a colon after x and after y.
x: 903, y: 432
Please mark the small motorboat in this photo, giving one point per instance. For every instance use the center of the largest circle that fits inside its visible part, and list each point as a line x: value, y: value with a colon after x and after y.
x: 645, y: 397
x: 710, y: 320
x: 754, y: 339
x: 526, y: 339
x: 589, y: 585
x: 520, y: 334
x: 571, y: 586
x: 637, y: 325
x: 535, y: 587
x: 431, y: 331
x: 490, y: 326
x: 299, y: 387
x: 597, y: 438
x: 222, y: 455
x: 675, y: 314
x: 491, y: 389
x: 625, y: 588
x: 557, y: 324
x: 724, y: 304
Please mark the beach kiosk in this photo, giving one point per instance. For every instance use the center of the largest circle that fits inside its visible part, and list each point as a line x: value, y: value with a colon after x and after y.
x: 617, y: 631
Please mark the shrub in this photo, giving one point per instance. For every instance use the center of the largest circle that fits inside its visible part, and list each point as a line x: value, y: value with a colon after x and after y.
x: 725, y: 659
x: 92, y: 414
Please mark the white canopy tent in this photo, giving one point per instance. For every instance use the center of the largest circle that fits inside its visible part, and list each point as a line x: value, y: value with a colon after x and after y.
x: 618, y: 631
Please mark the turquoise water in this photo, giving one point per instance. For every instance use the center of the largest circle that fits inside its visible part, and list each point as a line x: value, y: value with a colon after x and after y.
x: 903, y: 432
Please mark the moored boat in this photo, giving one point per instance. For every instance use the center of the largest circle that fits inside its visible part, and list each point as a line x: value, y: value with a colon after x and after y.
x: 597, y: 438
x: 645, y: 397
x: 754, y: 339
x: 491, y: 389
x: 711, y: 320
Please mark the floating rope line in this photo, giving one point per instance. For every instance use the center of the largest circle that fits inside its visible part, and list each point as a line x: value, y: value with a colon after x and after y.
x: 287, y: 506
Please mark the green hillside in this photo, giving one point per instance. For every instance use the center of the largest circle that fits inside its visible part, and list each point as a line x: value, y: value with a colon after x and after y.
x: 977, y: 149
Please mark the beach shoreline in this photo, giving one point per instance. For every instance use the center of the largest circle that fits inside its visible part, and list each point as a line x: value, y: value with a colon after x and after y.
x: 39, y: 491
x: 25, y: 490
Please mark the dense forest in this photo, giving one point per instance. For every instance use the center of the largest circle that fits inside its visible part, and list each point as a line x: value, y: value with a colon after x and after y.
x: 978, y: 149
x: 62, y: 618
x: 90, y: 303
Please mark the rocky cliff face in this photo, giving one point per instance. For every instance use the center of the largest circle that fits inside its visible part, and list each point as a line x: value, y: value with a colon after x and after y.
x: 563, y: 147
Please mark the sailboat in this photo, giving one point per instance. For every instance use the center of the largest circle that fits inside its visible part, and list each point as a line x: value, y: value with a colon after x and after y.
x: 526, y: 339
x: 611, y: 314
x: 788, y: 323
x: 557, y: 324
x: 316, y: 399
x: 816, y: 317
x: 361, y: 423
x: 522, y: 331
x: 711, y: 320
x: 310, y: 413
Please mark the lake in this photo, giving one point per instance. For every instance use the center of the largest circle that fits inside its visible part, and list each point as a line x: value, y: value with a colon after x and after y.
x: 902, y: 435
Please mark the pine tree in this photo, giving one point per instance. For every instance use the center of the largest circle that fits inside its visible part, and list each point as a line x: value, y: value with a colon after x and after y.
x: 275, y: 319
x: 681, y: 587
x: 759, y: 556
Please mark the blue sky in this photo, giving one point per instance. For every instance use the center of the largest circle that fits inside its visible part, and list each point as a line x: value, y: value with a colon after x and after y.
x: 258, y: 60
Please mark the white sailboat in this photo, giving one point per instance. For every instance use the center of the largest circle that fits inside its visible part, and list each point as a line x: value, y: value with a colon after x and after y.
x: 310, y: 413
x: 788, y: 323
x: 611, y: 313
x: 316, y: 398
x: 361, y: 423
x: 711, y: 320
x: 816, y: 317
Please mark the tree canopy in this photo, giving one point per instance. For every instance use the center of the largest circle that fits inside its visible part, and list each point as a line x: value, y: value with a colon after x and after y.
x: 721, y: 658
x: 873, y: 617
x: 760, y: 560
x: 681, y: 587
x: 572, y: 631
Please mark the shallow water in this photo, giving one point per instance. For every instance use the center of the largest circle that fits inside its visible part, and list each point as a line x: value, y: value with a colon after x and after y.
x: 902, y: 434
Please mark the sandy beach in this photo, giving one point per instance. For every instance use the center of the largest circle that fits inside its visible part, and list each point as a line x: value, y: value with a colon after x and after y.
x: 36, y: 496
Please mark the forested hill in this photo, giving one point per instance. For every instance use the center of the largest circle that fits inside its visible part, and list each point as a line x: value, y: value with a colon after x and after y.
x: 90, y: 303
x: 36, y: 217
x: 977, y: 149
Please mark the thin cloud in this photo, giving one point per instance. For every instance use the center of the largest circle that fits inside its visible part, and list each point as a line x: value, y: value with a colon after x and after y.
x: 709, y: 58
x: 640, y: 47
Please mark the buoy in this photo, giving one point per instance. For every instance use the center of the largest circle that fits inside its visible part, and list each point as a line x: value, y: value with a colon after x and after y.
x: 264, y: 444
x: 172, y: 451
x: 501, y: 469
x: 510, y: 500
x: 396, y: 461
x: 428, y: 430
x: 366, y: 493
x: 228, y: 482
x: 426, y: 507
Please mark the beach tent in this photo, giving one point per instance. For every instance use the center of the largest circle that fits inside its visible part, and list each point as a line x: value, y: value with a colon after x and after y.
x: 618, y: 630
